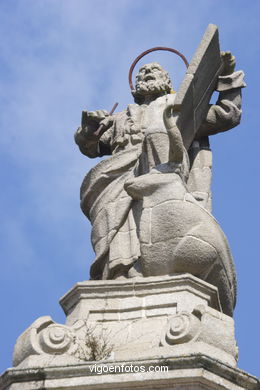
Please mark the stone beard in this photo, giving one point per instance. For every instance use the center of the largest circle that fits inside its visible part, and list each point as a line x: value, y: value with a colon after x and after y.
x: 152, y: 79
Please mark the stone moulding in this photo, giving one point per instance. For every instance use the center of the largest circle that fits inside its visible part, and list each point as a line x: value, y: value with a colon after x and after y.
x: 184, y: 373
x: 136, y: 288
x: 131, y: 319
x: 44, y: 338
x: 182, y: 328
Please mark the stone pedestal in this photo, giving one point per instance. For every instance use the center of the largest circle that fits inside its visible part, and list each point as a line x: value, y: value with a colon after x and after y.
x: 163, y: 332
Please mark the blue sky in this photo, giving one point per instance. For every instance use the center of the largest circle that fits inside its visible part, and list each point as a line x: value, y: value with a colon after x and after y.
x: 59, y: 57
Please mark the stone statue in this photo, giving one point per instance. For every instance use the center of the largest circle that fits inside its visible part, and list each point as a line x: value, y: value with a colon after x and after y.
x: 149, y: 203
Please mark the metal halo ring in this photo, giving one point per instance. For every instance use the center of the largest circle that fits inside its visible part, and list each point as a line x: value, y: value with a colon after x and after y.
x: 149, y: 51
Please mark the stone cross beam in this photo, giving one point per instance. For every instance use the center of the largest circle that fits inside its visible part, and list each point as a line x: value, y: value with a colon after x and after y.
x: 191, y: 103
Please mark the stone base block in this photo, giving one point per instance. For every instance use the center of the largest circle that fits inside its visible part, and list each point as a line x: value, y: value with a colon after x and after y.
x: 154, y: 333
x: 142, y: 318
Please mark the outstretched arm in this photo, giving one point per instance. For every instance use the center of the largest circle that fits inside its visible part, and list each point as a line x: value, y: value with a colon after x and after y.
x: 226, y: 113
x: 91, y: 144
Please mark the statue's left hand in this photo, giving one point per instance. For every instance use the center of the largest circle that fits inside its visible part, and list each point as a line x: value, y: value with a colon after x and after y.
x: 229, y: 63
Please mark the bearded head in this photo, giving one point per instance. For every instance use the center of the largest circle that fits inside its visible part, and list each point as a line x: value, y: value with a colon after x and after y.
x: 151, y: 79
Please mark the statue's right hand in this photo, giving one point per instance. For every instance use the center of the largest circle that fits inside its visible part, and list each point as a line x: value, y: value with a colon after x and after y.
x: 85, y: 136
x: 92, y: 119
